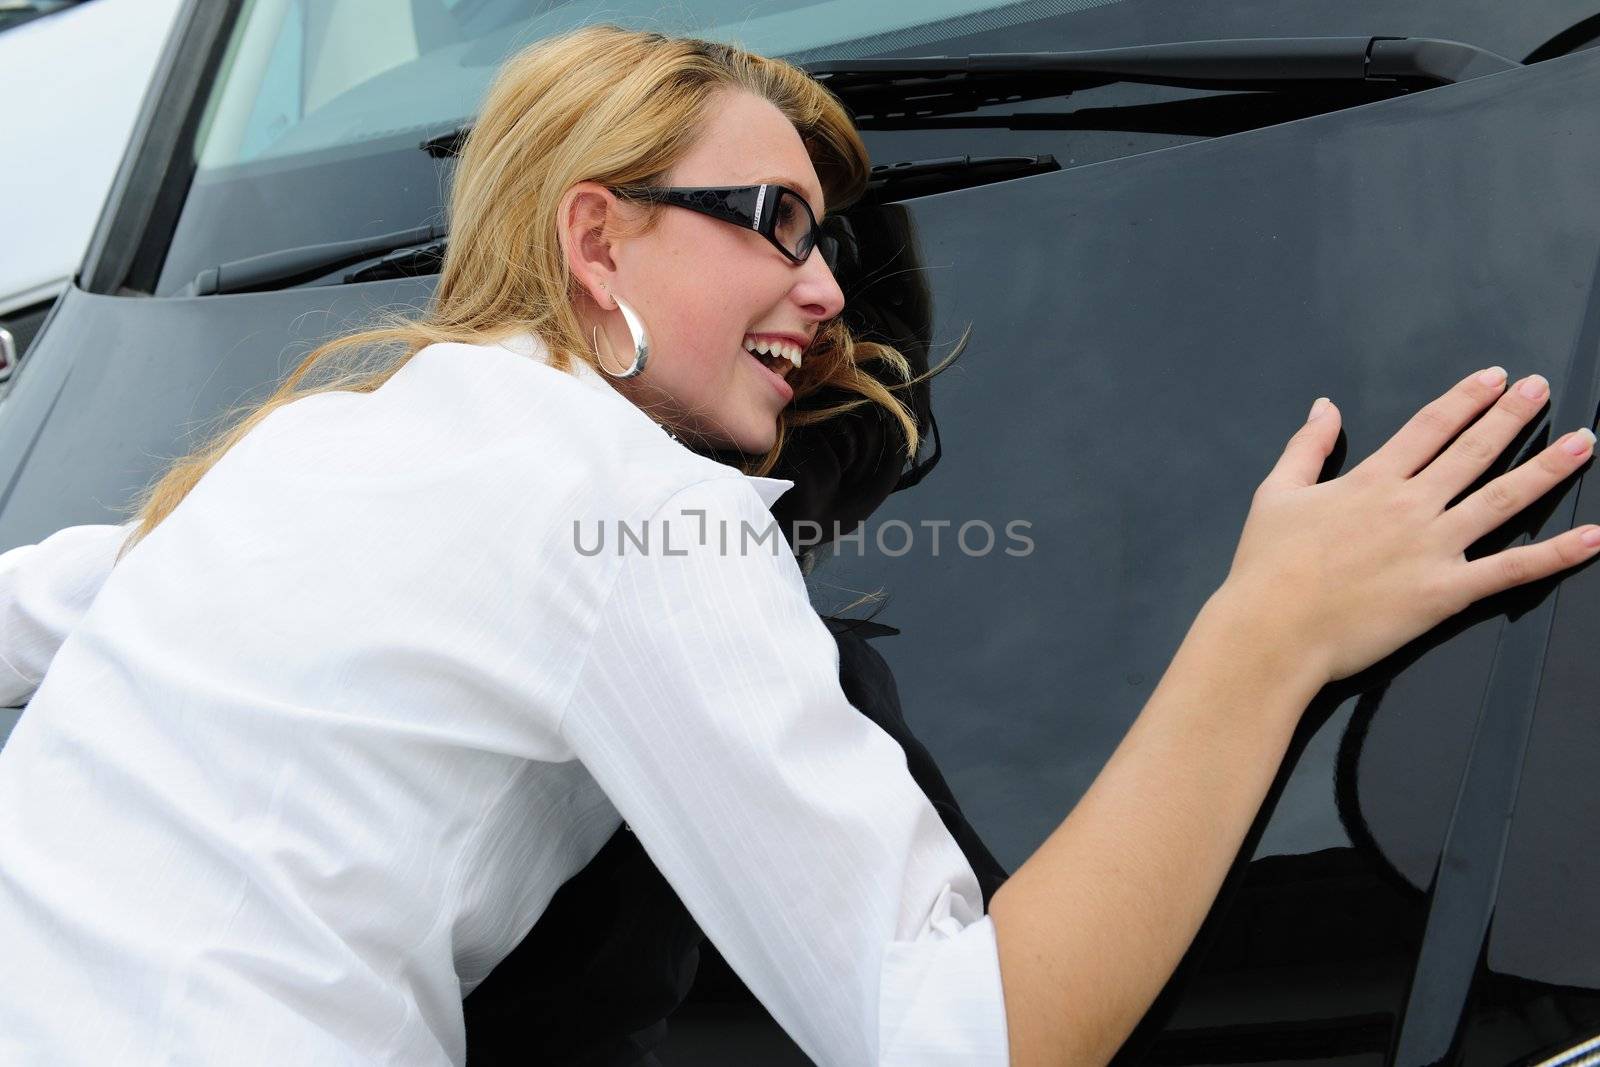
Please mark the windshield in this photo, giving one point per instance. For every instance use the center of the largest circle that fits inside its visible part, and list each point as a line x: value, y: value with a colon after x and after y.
x: 303, y: 75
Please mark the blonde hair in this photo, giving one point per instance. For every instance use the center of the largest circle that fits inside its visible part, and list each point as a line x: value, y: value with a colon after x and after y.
x: 601, y: 104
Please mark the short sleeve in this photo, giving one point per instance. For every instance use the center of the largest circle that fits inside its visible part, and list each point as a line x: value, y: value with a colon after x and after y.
x: 709, y: 709
x: 44, y: 590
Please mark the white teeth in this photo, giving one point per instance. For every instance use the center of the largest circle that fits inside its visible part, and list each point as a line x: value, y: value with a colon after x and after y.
x: 762, y: 347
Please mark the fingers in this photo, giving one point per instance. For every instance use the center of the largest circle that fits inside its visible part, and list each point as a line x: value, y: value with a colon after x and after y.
x: 1505, y: 496
x: 1527, y: 563
x: 1420, y: 439
x: 1471, y: 453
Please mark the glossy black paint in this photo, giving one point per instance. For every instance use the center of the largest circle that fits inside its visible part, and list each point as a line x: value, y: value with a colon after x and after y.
x: 1148, y: 331
x: 1375, y: 255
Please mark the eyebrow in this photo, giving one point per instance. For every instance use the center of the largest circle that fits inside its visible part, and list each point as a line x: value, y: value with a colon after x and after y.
x: 798, y: 187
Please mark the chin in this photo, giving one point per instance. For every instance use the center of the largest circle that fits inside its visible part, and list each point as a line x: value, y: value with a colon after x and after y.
x: 757, y: 440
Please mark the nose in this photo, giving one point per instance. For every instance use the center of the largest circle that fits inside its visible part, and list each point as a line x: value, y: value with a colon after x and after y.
x: 816, y: 290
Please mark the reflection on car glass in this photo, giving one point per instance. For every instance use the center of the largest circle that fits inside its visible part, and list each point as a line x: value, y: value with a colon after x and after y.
x: 307, y: 75
x: 938, y: 85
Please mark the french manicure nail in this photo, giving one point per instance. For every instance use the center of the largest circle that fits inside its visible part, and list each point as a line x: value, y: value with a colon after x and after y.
x: 1578, y: 442
x: 1492, y: 376
x: 1533, y: 386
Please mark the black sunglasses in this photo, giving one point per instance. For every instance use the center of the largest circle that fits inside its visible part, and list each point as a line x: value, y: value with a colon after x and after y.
x: 776, y: 212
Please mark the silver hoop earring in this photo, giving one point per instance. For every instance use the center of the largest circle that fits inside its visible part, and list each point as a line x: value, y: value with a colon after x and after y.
x: 641, y: 341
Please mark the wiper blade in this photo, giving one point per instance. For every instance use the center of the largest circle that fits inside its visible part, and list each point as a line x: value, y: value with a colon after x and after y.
x: 412, y: 262
x: 932, y: 85
x: 291, y: 266
x: 891, y: 182
x: 888, y: 182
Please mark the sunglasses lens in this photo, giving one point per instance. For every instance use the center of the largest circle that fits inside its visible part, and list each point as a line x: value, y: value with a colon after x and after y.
x: 793, y: 225
x: 829, y: 247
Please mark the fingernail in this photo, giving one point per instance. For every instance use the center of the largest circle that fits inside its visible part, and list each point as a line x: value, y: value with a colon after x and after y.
x: 1492, y: 376
x: 1578, y: 442
x: 1319, y: 409
x: 1533, y: 386
x: 1591, y: 536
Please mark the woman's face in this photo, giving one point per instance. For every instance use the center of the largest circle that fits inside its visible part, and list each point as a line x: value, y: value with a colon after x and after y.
x: 705, y: 288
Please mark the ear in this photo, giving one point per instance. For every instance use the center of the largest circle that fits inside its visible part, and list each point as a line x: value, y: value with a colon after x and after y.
x: 584, y: 225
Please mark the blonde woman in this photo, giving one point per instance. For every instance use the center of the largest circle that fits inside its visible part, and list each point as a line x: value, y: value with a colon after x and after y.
x: 355, y: 702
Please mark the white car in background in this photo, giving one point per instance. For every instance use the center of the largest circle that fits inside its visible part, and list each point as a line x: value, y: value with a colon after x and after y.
x: 72, y: 76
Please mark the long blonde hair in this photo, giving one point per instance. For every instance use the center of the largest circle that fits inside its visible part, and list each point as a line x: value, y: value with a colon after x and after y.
x: 601, y: 104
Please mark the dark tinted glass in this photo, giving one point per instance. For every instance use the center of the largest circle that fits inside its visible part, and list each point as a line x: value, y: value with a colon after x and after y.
x: 795, y: 228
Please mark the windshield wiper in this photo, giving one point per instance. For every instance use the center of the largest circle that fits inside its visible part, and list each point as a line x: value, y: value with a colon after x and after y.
x: 891, y: 182
x: 887, y: 182
x: 292, y: 266
x: 924, y: 86
x: 939, y: 85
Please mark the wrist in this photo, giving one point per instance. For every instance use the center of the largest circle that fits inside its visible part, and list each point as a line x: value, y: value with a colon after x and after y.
x: 1249, y: 633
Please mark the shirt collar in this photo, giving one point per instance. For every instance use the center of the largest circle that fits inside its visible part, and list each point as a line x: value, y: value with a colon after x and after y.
x: 769, y: 489
x: 529, y: 345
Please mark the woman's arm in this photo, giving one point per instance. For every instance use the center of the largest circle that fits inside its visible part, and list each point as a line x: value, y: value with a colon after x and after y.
x: 44, y: 591
x: 709, y: 708
x: 1092, y: 925
x: 1328, y: 579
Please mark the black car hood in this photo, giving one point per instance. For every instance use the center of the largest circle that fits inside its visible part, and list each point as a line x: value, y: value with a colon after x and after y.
x: 1148, y: 333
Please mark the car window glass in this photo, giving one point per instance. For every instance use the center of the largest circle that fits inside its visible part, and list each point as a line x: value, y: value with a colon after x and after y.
x: 331, y: 72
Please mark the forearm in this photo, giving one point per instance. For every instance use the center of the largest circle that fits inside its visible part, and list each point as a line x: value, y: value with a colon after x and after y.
x: 1092, y: 925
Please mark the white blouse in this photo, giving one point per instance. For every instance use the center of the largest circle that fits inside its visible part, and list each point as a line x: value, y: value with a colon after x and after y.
x: 318, y: 752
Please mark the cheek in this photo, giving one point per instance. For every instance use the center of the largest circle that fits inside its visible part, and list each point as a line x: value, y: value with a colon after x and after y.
x: 708, y: 282
x: 712, y: 292
x: 696, y: 321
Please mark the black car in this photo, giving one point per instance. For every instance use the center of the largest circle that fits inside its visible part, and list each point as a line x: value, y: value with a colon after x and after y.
x: 1163, y: 255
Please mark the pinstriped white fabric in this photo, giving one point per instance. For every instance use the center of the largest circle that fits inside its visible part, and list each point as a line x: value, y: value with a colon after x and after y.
x: 44, y: 590
x: 323, y: 746
x: 787, y: 821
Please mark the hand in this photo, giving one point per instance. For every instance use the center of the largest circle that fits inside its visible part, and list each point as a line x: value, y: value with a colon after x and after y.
x: 1351, y: 569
